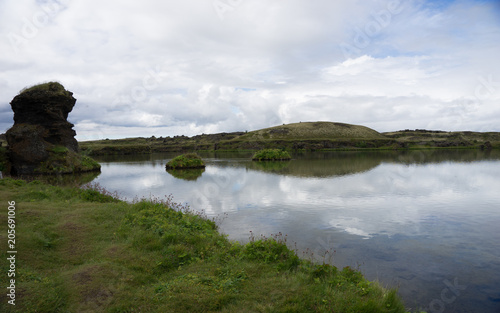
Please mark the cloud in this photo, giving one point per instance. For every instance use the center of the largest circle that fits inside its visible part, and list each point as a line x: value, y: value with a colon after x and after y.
x: 157, y: 68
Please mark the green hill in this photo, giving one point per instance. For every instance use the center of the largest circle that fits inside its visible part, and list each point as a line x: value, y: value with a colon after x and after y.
x: 313, y: 130
x: 299, y: 136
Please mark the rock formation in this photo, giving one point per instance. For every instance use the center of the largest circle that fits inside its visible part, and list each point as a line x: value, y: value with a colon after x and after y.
x: 42, y: 140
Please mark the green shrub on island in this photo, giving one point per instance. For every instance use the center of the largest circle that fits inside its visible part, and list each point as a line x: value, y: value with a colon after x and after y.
x: 271, y: 155
x: 188, y: 160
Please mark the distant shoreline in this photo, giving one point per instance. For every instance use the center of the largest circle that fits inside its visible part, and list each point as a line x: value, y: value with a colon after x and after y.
x: 299, y: 137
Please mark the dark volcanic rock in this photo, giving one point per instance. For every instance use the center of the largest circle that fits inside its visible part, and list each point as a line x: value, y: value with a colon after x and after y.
x: 42, y: 140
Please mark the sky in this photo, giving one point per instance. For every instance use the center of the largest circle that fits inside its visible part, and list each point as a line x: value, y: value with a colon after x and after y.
x: 167, y: 68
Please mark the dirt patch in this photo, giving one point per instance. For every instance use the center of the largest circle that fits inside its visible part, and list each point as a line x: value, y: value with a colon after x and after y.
x: 89, y: 284
x: 74, y: 245
x: 279, y: 131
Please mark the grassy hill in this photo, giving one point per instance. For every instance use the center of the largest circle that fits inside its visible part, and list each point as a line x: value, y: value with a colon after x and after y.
x: 313, y: 130
x: 306, y: 135
x: 444, y: 139
x: 299, y: 136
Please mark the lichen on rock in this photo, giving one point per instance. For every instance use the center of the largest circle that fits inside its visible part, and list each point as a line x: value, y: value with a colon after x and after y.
x: 42, y: 141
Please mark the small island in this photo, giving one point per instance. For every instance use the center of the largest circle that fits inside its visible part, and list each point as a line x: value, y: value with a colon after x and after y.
x: 271, y: 155
x: 185, y: 161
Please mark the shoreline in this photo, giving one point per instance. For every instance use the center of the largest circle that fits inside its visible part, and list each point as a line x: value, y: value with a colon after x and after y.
x: 299, y: 137
x: 96, y: 149
x: 156, y: 255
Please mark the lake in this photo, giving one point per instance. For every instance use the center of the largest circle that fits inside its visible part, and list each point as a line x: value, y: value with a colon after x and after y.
x: 426, y: 222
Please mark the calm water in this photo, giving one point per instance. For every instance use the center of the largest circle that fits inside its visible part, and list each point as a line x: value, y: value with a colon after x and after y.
x: 425, y: 221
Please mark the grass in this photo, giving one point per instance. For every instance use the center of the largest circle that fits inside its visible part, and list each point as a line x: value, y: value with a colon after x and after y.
x: 271, y: 155
x: 60, y: 149
x: 60, y: 161
x: 53, y: 87
x: 314, y: 130
x: 422, y: 139
x: 63, y: 161
x: 309, y: 136
x: 186, y: 161
x: 82, y: 250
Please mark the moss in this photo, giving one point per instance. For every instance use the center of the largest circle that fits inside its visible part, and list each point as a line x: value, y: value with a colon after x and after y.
x: 60, y: 150
x: 53, y: 87
x: 184, y: 161
x: 66, y: 162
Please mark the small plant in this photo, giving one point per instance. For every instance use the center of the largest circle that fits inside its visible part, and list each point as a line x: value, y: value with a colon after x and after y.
x: 94, y: 192
x: 89, y: 164
x: 188, y: 160
x: 271, y: 155
x: 60, y: 149
x: 271, y: 250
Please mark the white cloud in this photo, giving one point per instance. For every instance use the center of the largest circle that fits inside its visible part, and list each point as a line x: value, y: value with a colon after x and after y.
x: 161, y: 68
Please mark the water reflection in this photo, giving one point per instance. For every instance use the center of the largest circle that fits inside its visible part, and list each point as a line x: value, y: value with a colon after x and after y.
x: 186, y: 174
x: 77, y: 180
x: 413, y: 219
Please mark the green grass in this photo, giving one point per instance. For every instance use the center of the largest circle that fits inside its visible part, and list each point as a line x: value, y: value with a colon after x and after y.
x: 271, y: 155
x: 53, y: 87
x: 313, y: 130
x: 298, y: 136
x: 62, y: 161
x: 186, y: 161
x: 81, y: 250
x: 425, y: 139
x: 60, y: 149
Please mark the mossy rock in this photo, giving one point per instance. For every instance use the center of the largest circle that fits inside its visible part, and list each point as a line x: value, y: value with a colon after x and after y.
x: 64, y: 161
x: 271, y: 155
x: 185, y: 161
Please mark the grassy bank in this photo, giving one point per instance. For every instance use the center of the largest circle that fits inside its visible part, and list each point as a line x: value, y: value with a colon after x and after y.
x: 81, y: 250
